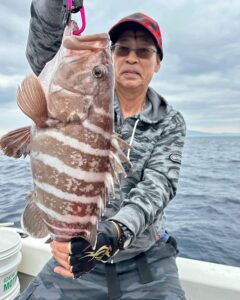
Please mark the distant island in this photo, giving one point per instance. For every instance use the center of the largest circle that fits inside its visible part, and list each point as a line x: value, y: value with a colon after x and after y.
x: 193, y: 133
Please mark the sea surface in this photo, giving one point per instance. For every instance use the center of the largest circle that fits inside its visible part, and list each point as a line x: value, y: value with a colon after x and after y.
x: 204, y: 217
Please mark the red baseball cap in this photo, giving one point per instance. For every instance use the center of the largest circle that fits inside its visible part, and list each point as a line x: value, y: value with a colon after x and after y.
x: 135, y: 21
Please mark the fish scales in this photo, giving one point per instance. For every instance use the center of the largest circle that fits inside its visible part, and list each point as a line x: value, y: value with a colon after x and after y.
x: 67, y: 183
x: 75, y: 155
x: 69, y: 169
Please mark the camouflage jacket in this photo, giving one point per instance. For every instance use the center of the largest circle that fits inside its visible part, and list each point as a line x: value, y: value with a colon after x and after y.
x: 151, y: 182
x: 157, y: 142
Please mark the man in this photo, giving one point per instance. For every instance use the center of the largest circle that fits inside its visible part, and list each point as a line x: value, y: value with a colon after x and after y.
x: 138, y: 254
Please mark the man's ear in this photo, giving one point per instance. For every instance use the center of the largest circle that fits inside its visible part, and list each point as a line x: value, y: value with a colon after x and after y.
x: 158, y: 64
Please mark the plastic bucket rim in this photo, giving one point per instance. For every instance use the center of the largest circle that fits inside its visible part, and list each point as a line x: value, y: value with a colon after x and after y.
x: 14, y: 265
x: 11, y: 253
x: 13, y: 235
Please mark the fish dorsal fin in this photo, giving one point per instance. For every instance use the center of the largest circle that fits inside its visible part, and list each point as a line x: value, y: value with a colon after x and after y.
x: 32, y: 101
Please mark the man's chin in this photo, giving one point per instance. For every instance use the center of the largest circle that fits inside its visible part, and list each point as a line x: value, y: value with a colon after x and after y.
x: 128, y: 84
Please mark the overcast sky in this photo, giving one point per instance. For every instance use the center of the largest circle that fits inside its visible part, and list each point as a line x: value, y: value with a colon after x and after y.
x: 200, y: 72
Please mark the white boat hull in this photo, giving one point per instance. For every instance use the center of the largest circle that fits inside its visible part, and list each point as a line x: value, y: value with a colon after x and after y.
x: 200, y: 280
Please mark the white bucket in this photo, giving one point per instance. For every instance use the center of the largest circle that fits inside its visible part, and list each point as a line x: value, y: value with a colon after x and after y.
x: 10, y: 258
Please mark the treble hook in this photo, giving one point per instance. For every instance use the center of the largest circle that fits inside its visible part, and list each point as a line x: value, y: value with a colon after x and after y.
x: 83, y: 17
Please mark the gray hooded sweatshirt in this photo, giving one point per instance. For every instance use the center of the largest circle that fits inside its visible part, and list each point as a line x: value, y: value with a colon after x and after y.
x: 157, y: 138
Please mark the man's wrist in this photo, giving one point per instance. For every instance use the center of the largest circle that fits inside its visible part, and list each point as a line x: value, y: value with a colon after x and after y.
x: 125, y: 236
x: 117, y: 227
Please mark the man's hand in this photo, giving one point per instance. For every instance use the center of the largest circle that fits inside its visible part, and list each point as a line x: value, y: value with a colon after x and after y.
x: 78, y: 257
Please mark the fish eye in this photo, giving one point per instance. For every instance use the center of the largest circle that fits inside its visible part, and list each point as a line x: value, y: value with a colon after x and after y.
x: 100, y: 71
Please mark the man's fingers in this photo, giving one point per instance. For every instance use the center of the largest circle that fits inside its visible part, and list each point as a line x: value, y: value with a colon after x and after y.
x: 62, y: 262
x: 63, y: 272
x: 61, y: 257
x: 61, y: 253
x: 60, y: 247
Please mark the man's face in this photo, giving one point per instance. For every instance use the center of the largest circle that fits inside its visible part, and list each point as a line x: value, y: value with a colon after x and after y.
x: 132, y: 71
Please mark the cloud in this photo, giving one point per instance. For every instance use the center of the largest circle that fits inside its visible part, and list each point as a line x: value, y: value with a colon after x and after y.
x: 12, y: 118
x: 7, y: 81
x: 14, y: 24
x: 201, y: 67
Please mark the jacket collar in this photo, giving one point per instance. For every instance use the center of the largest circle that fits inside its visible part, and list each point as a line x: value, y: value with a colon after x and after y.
x: 155, y: 110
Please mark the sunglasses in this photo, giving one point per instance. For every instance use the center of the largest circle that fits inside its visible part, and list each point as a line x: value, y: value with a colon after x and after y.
x: 122, y: 51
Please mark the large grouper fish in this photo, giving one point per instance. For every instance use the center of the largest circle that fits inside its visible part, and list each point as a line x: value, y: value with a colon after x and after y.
x: 75, y: 155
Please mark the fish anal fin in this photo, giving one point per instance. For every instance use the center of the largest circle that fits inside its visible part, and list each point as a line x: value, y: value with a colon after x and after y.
x: 32, y: 221
x: 16, y: 143
x: 116, y: 164
x: 32, y: 100
x: 115, y: 175
x: 123, y: 144
x: 118, y: 146
x: 109, y: 185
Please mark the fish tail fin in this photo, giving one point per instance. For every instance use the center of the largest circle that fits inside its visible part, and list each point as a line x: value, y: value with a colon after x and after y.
x: 16, y: 143
x: 32, y: 221
x: 32, y: 101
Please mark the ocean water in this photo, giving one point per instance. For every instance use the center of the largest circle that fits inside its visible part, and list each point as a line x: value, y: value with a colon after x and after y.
x: 204, y: 217
x: 205, y: 214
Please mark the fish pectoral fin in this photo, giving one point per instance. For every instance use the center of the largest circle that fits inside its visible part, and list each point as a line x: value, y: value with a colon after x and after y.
x: 32, y: 221
x: 32, y: 101
x: 16, y: 143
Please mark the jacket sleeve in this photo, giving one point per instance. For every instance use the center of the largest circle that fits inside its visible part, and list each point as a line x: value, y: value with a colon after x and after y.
x: 144, y: 204
x: 45, y: 32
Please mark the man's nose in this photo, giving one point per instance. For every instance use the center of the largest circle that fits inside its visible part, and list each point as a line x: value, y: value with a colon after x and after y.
x: 132, y: 56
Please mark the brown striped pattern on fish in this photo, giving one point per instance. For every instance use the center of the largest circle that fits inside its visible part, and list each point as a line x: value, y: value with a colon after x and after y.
x: 70, y: 187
